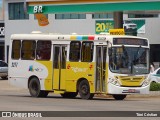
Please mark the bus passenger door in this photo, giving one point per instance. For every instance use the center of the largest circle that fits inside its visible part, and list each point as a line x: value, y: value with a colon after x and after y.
x: 59, y: 66
x: 100, y: 68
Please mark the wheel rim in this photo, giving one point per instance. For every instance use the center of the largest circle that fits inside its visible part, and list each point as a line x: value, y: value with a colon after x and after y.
x: 84, y: 89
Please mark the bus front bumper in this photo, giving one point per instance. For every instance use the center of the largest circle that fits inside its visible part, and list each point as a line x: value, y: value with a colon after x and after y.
x: 112, y: 89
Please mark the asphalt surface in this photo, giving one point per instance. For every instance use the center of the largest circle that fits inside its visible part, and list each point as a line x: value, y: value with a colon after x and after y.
x: 17, y: 99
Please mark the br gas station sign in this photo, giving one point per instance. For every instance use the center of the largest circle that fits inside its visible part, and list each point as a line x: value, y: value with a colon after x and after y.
x: 92, y: 6
x: 72, y: 6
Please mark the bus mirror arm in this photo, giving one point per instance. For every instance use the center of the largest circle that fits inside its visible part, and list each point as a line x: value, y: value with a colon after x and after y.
x: 109, y: 49
x: 108, y: 42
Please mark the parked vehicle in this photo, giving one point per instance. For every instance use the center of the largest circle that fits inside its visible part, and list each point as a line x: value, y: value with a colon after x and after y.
x: 129, y: 25
x: 3, y: 70
x: 155, y: 76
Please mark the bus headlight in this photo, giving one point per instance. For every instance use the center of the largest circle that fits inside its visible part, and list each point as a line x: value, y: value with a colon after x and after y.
x: 114, y: 81
x: 146, y: 82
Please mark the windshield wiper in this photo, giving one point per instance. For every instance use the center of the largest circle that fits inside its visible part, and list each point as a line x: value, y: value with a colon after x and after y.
x: 136, y: 57
x: 133, y: 62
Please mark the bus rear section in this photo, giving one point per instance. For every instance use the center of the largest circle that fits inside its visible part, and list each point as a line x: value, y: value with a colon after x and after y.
x: 64, y: 64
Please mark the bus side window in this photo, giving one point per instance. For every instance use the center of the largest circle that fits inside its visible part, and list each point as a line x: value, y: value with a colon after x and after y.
x: 43, y: 51
x: 74, y: 54
x: 28, y: 50
x: 16, y: 46
x: 87, y: 51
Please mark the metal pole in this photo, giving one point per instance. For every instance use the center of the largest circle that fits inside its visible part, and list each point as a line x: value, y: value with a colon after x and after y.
x: 118, y: 19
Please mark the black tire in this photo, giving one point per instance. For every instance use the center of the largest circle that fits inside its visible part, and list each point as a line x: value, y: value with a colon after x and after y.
x: 119, y: 97
x: 35, y: 90
x: 69, y: 94
x: 84, y: 90
x: 4, y: 77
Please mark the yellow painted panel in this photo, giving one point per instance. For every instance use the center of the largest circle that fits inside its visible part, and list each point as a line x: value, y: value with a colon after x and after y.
x: 78, y: 70
x: 70, y: 76
x: 58, y: 92
x: 71, y: 85
x: 73, y: 38
x: 106, y: 77
x: 56, y: 79
x: 63, y: 79
x: 92, y: 86
x: 48, y: 80
x: 131, y: 81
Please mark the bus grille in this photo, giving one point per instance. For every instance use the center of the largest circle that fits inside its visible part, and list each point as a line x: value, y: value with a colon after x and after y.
x: 131, y: 81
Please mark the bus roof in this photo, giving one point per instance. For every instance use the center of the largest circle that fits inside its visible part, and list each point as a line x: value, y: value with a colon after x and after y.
x: 67, y: 37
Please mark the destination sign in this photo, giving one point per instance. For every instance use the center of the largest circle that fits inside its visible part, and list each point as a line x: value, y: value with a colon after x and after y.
x: 130, y: 41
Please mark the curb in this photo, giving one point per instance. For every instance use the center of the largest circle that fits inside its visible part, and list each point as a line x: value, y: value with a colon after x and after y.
x: 151, y: 94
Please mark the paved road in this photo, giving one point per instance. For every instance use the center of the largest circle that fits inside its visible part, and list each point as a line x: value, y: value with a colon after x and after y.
x: 16, y: 99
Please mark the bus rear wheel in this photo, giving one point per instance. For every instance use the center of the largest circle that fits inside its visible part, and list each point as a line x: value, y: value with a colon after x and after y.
x: 69, y: 94
x: 84, y: 90
x: 34, y: 88
x: 119, y: 97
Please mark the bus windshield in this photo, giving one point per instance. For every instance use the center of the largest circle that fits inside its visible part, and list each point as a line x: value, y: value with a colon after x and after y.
x: 129, y: 60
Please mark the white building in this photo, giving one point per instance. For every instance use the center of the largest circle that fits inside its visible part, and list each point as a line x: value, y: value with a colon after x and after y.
x: 2, y: 39
x: 16, y: 21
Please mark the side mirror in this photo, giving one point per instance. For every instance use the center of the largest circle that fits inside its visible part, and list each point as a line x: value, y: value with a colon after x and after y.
x: 109, y: 51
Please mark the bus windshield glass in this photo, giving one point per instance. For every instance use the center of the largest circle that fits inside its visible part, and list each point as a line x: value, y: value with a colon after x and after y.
x: 129, y: 60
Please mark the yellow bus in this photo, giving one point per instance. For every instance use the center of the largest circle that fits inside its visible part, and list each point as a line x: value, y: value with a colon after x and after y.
x: 116, y: 65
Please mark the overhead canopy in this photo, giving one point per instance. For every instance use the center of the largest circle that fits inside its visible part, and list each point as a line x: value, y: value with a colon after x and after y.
x: 90, y: 6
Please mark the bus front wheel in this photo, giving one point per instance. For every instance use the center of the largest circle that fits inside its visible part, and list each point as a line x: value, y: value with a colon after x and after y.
x: 119, y: 97
x: 84, y: 90
x: 34, y: 88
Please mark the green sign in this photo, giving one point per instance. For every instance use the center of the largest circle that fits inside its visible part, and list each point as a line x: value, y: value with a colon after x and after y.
x: 140, y: 25
x: 133, y: 25
x: 104, y: 26
x: 93, y: 7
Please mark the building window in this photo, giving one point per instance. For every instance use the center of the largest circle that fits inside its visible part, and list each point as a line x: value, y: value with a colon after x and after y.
x: 154, y: 53
x: 70, y: 16
x: 142, y: 15
x: 87, y: 52
x: 16, y: 11
x: 2, y: 30
x: 74, y: 54
x: 102, y: 15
